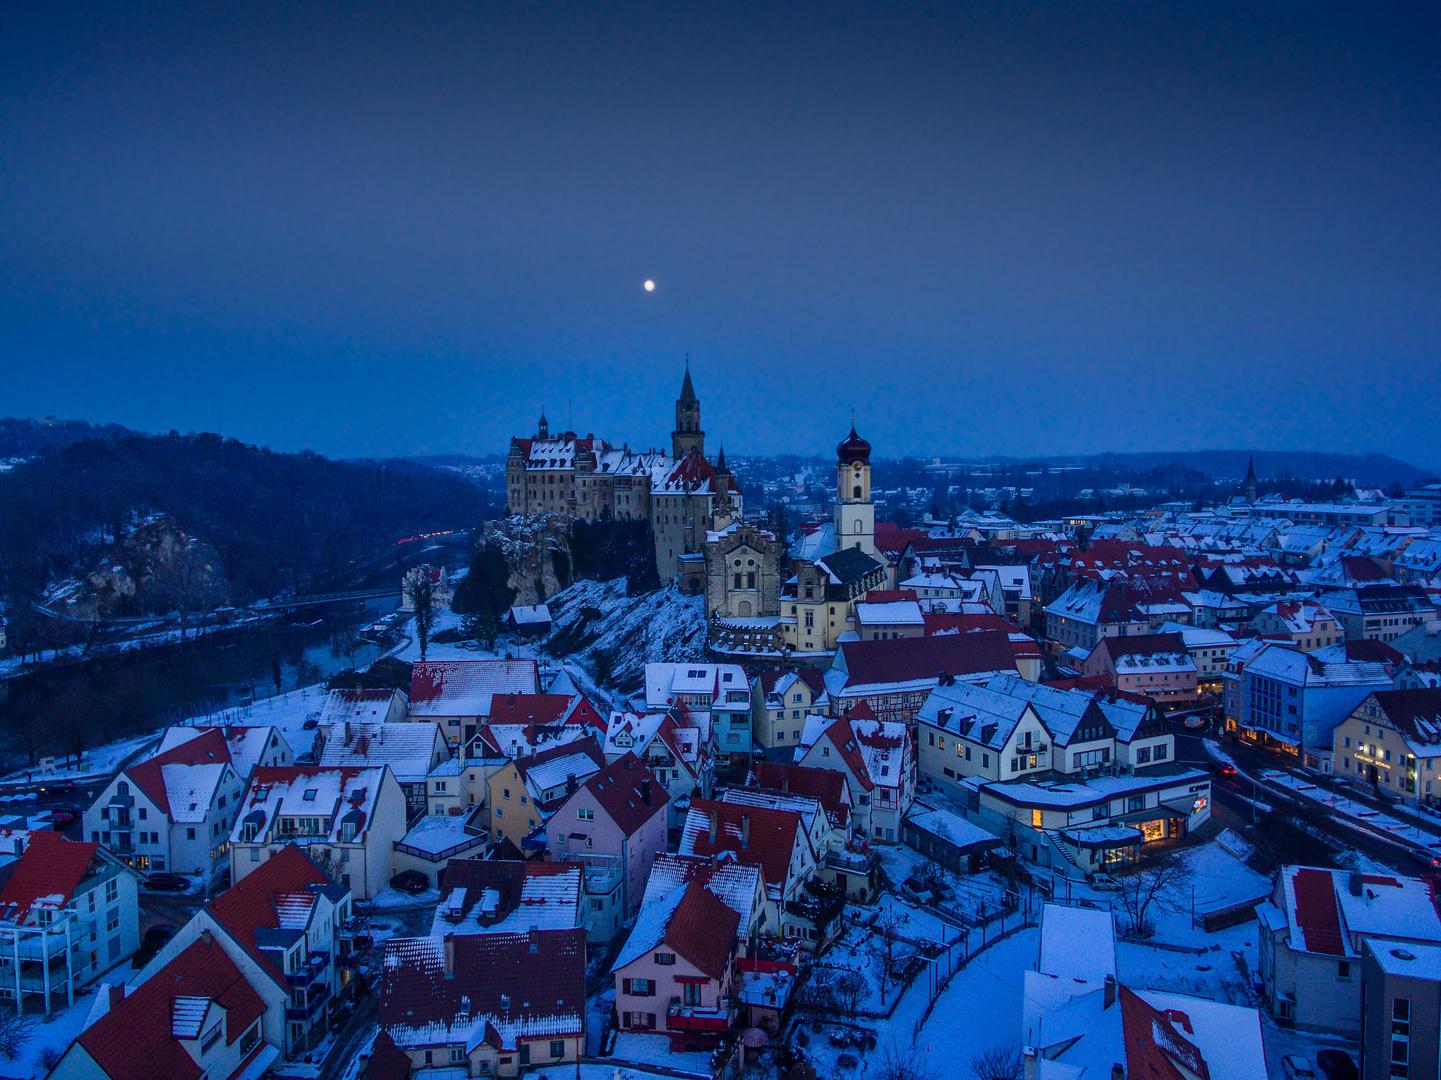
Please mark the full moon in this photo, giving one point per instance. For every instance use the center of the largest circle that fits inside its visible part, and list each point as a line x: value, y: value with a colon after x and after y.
x: 650, y: 286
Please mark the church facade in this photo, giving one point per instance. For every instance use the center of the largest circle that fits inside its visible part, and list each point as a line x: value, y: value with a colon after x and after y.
x: 588, y: 479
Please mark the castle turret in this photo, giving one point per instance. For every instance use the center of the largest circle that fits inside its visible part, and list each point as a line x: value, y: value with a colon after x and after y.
x: 543, y: 432
x: 687, y: 435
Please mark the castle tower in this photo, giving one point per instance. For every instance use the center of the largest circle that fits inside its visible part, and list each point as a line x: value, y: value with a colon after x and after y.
x: 687, y: 435
x: 543, y: 432
x: 855, y: 515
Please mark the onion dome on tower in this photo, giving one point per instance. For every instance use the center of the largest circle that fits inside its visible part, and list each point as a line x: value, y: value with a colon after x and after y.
x: 853, y: 449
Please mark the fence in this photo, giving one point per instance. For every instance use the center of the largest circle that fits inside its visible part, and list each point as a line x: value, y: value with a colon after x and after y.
x: 969, y: 944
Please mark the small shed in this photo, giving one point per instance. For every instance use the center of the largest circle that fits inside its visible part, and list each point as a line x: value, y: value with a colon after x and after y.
x: 957, y: 844
x: 529, y: 620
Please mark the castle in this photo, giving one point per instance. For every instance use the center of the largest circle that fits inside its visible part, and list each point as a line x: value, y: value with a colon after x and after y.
x: 682, y: 494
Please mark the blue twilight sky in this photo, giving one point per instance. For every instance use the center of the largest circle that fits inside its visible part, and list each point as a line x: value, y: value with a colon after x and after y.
x: 1013, y: 228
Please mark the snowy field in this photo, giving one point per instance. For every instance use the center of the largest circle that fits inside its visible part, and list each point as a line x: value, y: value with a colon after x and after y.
x: 101, y: 761
x: 655, y: 1050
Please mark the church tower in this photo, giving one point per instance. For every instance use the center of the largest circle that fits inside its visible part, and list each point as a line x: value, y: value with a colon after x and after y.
x: 1250, y: 480
x: 687, y: 435
x: 855, y: 515
x: 543, y: 432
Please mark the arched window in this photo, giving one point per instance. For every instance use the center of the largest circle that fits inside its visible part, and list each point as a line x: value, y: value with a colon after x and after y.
x: 856, y: 492
x: 122, y: 788
x: 858, y: 525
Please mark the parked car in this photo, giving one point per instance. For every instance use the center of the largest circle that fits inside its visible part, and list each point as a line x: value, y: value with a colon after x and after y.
x: 1297, y: 1068
x: 167, y: 882
x: 1336, y: 1064
x: 915, y: 889
x: 61, y: 818
x: 1223, y: 768
x: 1105, y: 882
x: 410, y: 882
x: 940, y: 889
x: 1426, y: 857
x: 159, y: 934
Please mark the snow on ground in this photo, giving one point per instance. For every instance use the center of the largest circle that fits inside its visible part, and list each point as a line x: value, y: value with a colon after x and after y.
x: 1281, y: 1042
x: 389, y: 899
x: 1222, y: 973
x: 288, y: 713
x: 602, y: 628
x: 655, y: 1050
x: 980, y: 1008
x: 55, y: 1034
x: 1214, y: 749
x: 101, y: 761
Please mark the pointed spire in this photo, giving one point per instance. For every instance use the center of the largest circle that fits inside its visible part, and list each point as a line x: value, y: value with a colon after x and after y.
x: 720, y: 463
x: 1251, y: 469
x: 687, y: 391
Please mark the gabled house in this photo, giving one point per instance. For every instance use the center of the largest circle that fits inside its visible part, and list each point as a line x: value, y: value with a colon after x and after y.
x: 195, y: 1018
x: 719, y: 689
x: 675, y: 746
x: 173, y: 811
x: 485, y: 896
x: 411, y: 750
x: 68, y: 912
x: 526, y: 791
x: 780, y: 702
x: 1392, y: 740
x: 877, y: 761
x: 457, y: 694
x: 348, y: 820
x: 486, y: 1004
x: 287, y: 928
x: 741, y: 888
x: 1312, y: 932
x: 249, y: 746
x: 675, y: 974
x: 893, y: 678
x: 829, y: 787
x: 521, y: 725
x: 1305, y: 623
x: 1157, y: 665
x: 616, y: 819
x: 777, y: 844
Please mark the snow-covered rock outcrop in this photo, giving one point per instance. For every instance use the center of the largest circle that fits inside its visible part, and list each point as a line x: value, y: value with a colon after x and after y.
x: 613, y: 636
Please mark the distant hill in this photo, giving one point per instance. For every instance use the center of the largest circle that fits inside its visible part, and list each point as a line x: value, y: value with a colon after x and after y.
x: 1366, y: 470
x: 276, y: 519
x: 22, y: 437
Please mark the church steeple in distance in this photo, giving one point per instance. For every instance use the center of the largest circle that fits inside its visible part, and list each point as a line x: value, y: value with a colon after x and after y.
x: 687, y: 435
x: 1250, y: 481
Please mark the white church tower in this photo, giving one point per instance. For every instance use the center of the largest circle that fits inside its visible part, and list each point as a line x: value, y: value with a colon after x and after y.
x: 855, y: 515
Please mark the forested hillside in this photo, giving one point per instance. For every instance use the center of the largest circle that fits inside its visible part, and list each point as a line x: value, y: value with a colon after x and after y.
x: 276, y: 519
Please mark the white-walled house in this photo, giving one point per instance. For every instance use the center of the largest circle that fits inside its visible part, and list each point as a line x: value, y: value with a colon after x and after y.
x: 348, y: 820
x: 172, y: 812
x: 285, y: 929
x: 876, y: 758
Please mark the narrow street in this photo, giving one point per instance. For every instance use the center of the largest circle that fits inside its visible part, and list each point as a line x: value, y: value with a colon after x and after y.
x: 359, y: 1030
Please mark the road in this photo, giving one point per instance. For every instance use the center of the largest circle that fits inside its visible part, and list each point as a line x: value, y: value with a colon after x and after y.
x: 353, y: 1039
x: 1231, y: 801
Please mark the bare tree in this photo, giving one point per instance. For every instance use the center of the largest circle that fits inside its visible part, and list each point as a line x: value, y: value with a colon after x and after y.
x: 191, y: 582
x: 16, y: 1030
x: 887, y: 924
x: 1000, y: 1062
x: 850, y: 991
x: 1157, y: 884
x: 421, y: 594
x: 909, y: 1063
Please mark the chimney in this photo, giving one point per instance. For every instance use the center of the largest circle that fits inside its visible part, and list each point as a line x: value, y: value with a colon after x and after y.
x: 1118, y: 1071
x: 1356, y: 884
x: 570, y: 783
x: 645, y: 791
x: 1030, y: 1063
x: 449, y: 956
x: 1110, y: 994
x: 535, y: 939
x: 346, y: 737
x: 785, y: 783
x: 206, y: 937
x: 117, y: 994
x: 745, y: 831
x: 712, y: 826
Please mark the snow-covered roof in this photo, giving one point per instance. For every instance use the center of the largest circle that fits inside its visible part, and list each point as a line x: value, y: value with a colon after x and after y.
x: 410, y: 749
x: 892, y: 613
x: 1199, y: 637
x: 442, y: 688
x: 530, y: 614
x: 1077, y: 943
x: 337, y: 797
x: 949, y: 826
x: 191, y: 789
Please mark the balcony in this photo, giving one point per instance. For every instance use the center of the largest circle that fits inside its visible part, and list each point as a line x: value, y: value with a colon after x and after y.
x: 696, y: 1018
x: 315, y: 999
x: 311, y: 970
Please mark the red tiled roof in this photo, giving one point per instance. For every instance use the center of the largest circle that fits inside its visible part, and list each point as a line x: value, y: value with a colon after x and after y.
x: 702, y: 929
x: 249, y: 904
x: 1361, y: 568
x: 496, y: 975
x: 812, y: 677
x: 890, y: 596
x: 1155, y: 1049
x: 619, y: 790
x: 543, y: 710
x: 52, y: 866
x: 207, y: 748
x: 1375, y: 652
x: 387, y: 1061
x: 826, y: 786
x: 133, y: 1042
x: 909, y: 659
x: 772, y: 835
x: 843, y: 738
x: 1316, y: 912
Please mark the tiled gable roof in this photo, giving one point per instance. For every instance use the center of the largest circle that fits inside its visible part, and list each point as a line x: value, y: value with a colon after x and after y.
x: 1155, y: 1048
x: 869, y: 663
x: 133, y: 1040
x: 466, y: 687
x: 249, y: 904
x: 620, y: 789
x: 824, y: 785
x: 207, y: 748
x: 45, y: 876
x: 501, y: 987
x: 703, y: 930
x: 773, y: 835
